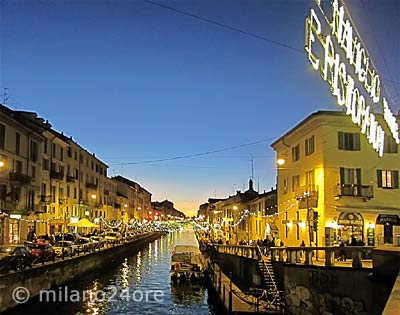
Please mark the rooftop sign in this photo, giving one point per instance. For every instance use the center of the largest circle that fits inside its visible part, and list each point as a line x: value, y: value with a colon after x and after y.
x: 344, y: 64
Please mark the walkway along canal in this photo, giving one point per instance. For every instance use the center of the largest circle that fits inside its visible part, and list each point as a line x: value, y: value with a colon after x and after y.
x: 137, y: 283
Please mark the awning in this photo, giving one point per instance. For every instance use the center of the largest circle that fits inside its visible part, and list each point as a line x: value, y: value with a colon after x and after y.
x: 84, y: 223
x: 391, y: 219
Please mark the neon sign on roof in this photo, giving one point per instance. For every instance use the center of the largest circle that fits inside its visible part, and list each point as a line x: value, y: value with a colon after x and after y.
x: 349, y: 73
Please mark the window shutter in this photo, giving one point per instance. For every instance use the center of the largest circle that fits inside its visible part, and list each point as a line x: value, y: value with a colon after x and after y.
x: 341, y: 140
x: 396, y: 179
x: 341, y: 175
x: 358, y: 174
x: 356, y: 142
x: 379, y: 177
x: 306, y: 147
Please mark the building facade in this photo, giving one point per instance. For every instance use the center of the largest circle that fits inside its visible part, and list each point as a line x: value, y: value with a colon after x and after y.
x: 47, y: 180
x: 333, y: 185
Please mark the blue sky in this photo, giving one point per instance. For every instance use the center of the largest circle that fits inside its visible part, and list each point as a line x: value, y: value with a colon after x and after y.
x: 134, y: 82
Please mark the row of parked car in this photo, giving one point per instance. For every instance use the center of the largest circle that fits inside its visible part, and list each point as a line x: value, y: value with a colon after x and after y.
x: 18, y: 257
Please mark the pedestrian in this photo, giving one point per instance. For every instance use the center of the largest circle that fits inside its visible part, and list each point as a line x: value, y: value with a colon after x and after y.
x: 342, y: 252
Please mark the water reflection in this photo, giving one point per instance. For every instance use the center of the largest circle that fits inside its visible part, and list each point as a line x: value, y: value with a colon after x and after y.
x: 121, y: 287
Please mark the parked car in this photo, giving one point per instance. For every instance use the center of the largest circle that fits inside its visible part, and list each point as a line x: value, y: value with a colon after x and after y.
x: 67, y: 237
x: 112, y: 237
x: 69, y: 248
x: 14, y: 257
x: 41, y: 252
x: 84, y: 244
x: 98, y: 242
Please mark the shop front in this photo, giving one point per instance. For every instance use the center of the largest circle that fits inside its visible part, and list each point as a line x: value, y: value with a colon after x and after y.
x: 350, y: 224
x: 389, y: 221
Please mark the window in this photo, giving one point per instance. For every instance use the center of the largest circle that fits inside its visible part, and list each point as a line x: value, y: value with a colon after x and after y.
x: 3, y: 192
x: 54, y: 150
x: 295, y: 182
x: 17, y: 143
x: 18, y: 166
x: 69, y: 152
x: 2, y: 136
x: 349, y: 141
x: 45, y: 146
x: 350, y: 176
x: 34, y: 153
x: 68, y: 191
x: 309, y: 145
x: 76, y: 156
x: 44, y: 189
x: 76, y: 174
x: 388, y: 179
x: 53, y: 193
x: 45, y: 164
x: 33, y: 172
x: 61, y: 154
x: 310, y: 179
x: 296, y: 153
x: 390, y: 145
x: 74, y: 192
x: 285, y: 186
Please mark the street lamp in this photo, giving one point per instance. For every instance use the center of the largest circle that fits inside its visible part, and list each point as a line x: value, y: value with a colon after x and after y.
x: 280, y: 161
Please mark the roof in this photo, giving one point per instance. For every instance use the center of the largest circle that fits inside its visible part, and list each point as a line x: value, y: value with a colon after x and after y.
x: 307, y: 119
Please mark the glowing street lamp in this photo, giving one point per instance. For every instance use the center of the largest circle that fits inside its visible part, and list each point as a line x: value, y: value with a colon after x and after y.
x: 280, y: 161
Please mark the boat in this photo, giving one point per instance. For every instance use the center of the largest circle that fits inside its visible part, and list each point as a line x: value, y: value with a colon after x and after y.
x: 187, y: 263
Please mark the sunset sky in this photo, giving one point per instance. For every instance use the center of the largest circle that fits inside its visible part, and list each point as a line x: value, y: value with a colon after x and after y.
x: 179, y: 96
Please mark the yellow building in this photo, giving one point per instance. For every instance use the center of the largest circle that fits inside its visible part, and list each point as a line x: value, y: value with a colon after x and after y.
x: 246, y: 216
x: 20, y: 174
x: 332, y: 184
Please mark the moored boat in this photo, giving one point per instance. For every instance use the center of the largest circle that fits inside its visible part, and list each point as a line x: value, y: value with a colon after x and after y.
x: 187, y: 263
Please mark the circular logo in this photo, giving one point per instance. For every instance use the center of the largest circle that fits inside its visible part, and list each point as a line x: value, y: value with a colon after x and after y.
x: 20, y: 295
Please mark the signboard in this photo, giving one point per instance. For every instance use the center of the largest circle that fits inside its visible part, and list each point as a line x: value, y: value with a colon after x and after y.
x: 371, y: 236
x: 392, y: 219
x: 350, y: 218
x: 334, y: 49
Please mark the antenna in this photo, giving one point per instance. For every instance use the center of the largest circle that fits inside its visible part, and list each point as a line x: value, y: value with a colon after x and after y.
x: 252, y: 165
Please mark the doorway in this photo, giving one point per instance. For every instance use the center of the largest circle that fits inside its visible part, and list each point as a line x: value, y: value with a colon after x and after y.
x: 388, y: 234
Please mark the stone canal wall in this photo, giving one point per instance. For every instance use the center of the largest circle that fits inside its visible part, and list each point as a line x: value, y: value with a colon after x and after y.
x: 244, y: 271
x: 331, y: 290
x: 323, y: 290
x: 42, y: 277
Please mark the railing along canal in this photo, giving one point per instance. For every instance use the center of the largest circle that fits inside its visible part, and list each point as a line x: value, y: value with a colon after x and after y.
x: 329, y: 255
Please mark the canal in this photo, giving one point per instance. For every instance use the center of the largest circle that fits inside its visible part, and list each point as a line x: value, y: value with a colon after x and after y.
x: 139, y: 284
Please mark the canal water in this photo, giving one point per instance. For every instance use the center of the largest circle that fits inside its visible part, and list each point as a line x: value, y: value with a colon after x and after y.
x: 139, y: 284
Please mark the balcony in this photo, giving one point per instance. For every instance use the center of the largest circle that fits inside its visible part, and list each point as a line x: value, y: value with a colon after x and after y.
x: 307, y: 196
x: 20, y: 178
x: 56, y: 175
x: 91, y: 185
x: 354, y: 190
x: 71, y: 179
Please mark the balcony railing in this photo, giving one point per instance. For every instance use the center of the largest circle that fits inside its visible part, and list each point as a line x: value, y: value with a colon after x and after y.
x: 20, y: 178
x: 71, y: 179
x: 91, y: 185
x: 354, y: 190
x: 56, y: 175
x: 307, y: 196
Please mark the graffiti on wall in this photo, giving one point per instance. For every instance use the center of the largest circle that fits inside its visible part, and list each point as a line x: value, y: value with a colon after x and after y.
x: 301, y: 300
